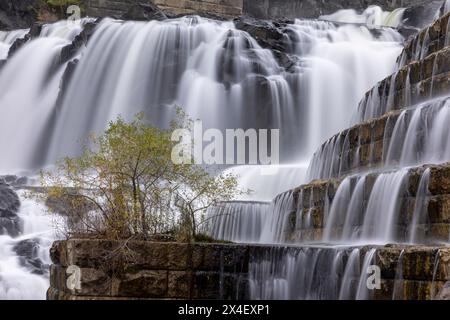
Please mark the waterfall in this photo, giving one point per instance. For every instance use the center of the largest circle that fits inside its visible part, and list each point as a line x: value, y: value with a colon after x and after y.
x: 237, y: 221
x: 353, y: 217
x: 352, y: 272
x: 307, y: 84
x: 423, y: 138
x: 27, y: 102
x: 398, y: 282
x: 340, y: 56
x: 7, y: 38
x: 310, y: 273
x: 372, y: 16
x: 266, y: 182
x: 363, y: 292
x: 280, y: 209
x: 130, y: 66
x: 24, y: 259
x: 419, y: 136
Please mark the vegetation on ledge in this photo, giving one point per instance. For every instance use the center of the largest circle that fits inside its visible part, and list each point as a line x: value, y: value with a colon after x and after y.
x: 126, y: 186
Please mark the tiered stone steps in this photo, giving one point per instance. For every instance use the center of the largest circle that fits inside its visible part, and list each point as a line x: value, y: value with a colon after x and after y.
x: 423, y: 73
x: 363, y: 147
x: 307, y: 220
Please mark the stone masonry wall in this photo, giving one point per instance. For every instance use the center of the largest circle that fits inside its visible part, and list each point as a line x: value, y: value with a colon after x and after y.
x: 158, y: 270
x: 219, y: 271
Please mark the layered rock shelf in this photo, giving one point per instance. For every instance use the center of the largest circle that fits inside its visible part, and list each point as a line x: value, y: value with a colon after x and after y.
x: 423, y: 73
x: 412, y: 84
x: 429, y: 40
x: 311, y: 205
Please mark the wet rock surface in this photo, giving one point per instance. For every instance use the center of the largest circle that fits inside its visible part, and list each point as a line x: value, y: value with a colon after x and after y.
x: 69, y: 51
x: 28, y: 253
x: 34, y: 32
x: 17, y: 14
x: 145, y: 12
x: 10, y: 223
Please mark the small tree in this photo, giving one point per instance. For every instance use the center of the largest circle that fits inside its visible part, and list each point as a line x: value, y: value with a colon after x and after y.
x: 204, y: 191
x: 125, y: 185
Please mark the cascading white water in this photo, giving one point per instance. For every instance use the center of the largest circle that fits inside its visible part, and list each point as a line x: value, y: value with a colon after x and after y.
x: 420, y: 135
x: 29, y: 280
x: 27, y: 102
x: 338, y: 70
x: 237, y: 221
x: 360, y: 213
x: 372, y: 16
x: 310, y: 273
x: 192, y: 56
x: 7, y: 38
x: 222, y: 76
x: 266, y: 182
x: 419, y: 214
x: 446, y: 7
x: 274, y: 226
x: 30, y: 82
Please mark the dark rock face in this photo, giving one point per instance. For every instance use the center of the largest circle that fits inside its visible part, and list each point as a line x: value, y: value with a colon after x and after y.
x: 421, y: 15
x: 35, y: 31
x: 27, y: 251
x: 145, y: 12
x: 312, y: 9
x: 13, y: 181
x: 68, y: 52
x: 80, y: 40
x: 268, y: 34
x: 18, y: 14
x: 271, y: 35
x: 10, y: 223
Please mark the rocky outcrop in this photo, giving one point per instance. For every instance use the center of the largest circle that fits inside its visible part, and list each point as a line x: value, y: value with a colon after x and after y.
x: 10, y: 223
x: 18, y: 14
x: 69, y: 51
x: 21, y: 14
x: 34, y: 32
x: 28, y: 253
x: 145, y: 12
x: 429, y: 40
x: 418, y: 14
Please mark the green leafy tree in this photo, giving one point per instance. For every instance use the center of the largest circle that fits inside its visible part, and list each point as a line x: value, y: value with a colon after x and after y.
x: 125, y: 184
